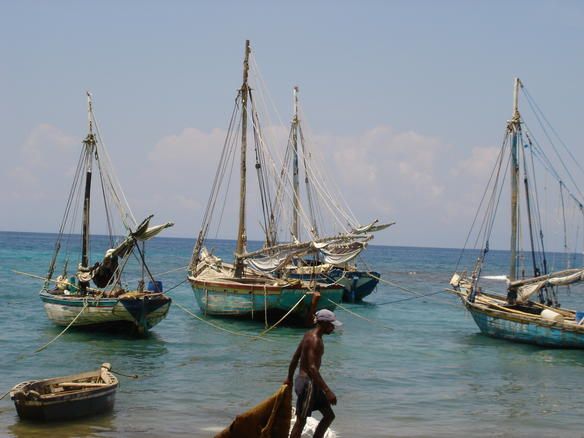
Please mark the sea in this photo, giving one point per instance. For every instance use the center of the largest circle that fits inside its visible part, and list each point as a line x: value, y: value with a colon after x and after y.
x: 408, y: 362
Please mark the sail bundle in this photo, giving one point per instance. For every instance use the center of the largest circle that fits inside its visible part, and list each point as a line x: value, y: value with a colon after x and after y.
x: 102, y: 273
x: 527, y: 288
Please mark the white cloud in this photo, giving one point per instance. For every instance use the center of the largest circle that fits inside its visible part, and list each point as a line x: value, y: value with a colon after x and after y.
x: 419, y: 181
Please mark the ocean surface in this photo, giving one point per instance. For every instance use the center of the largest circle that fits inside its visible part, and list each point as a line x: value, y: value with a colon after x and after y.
x: 414, y: 367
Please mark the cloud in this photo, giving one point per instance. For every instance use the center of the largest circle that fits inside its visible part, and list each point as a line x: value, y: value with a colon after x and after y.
x: 421, y: 182
x: 45, y: 144
x: 38, y: 169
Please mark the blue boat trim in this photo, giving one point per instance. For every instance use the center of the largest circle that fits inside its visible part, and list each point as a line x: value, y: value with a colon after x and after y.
x: 356, y: 284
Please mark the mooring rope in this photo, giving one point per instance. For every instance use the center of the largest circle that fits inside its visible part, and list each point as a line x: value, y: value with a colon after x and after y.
x: 419, y: 295
x: 219, y: 327
x: 359, y: 316
x: 131, y: 376
x: 176, y: 285
x: 86, y: 303
x: 284, y: 317
x: 413, y: 298
x: 182, y: 268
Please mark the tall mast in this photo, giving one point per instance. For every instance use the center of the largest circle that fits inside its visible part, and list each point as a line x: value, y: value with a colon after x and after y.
x: 89, y: 144
x: 295, y: 180
x: 514, y: 127
x: 241, y: 237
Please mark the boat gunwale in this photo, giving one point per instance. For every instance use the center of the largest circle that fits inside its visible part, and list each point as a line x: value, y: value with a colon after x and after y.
x: 518, y: 316
x: 257, y: 286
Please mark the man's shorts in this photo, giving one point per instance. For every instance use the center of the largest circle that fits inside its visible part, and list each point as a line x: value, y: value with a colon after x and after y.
x: 310, y: 397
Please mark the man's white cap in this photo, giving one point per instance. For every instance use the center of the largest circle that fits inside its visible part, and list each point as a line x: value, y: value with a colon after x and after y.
x: 326, y: 315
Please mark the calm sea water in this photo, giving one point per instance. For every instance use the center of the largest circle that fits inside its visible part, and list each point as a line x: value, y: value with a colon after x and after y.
x: 419, y: 367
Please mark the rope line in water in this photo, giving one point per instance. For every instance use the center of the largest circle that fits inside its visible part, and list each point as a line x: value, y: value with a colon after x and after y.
x: 217, y: 326
x: 419, y: 295
x: 64, y: 330
x: 284, y: 317
x: 371, y: 321
x: 411, y: 298
x: 176, y: 285
x: 131, y: 376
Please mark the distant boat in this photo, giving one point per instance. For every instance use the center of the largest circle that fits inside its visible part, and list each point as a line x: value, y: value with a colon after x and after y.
x: 66, y: 398
x: 70, y: 299
x: 240, y: 289
x: 330, y: 260
x: 514, y: 316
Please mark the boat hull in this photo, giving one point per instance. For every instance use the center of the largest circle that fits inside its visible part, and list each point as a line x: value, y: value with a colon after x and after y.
x: 356, y: 284
x: 137, y: 314
x: 259, y: 302
x: 68, y: 407
x: 545, y: 334
x: 525, y: 323
x: 66, y: 398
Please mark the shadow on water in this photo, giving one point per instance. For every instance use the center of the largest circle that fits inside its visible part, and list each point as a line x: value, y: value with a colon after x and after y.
x: 83, y: 427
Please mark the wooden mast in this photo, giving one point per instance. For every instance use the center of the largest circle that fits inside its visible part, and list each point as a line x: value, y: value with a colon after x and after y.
x: 295, y: 177
x: 514, y: 126
x: 89, y: 144
x: 241, y: 236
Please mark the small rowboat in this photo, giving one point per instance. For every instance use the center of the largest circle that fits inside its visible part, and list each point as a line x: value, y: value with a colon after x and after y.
x: 66, y: 398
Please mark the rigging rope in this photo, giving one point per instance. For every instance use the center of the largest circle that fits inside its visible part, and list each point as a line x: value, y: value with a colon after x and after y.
x: 180, y: 306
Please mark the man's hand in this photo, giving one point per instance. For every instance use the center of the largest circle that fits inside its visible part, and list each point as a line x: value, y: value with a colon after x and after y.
x: 331, y: 397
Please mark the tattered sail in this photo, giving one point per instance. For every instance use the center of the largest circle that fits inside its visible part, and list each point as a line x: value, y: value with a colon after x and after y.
x: 372, y: 227
x: 526, y: 288
x: 103, y: 273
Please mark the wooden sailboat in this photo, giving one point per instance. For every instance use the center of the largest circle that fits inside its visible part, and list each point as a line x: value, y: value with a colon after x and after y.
x: 96, y: 295
x: 515, y: 316
x: 333, y: 262
x: 66, y: 398
x: 239, y: 289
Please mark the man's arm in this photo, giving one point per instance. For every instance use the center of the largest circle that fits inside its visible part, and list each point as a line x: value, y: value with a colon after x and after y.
x: 293, y: 364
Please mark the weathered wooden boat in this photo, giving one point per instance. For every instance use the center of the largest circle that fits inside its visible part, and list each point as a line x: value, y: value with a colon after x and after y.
x: 66, y: 398
x: 70, y: 299
x: 240, y: 289
x: 329, y: 260
x: 515, y: 316
x: 356, y: 284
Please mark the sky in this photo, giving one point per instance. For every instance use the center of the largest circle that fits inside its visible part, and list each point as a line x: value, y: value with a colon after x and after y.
x: 407, y: 101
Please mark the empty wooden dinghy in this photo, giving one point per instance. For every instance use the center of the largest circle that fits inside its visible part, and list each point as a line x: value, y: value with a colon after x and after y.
x: 66, y: 398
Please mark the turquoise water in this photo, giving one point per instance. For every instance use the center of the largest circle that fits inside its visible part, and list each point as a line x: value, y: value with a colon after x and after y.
x: 419, y: 367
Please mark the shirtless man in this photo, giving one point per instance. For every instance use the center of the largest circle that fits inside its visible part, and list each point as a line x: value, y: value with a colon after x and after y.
x: 312, y: 391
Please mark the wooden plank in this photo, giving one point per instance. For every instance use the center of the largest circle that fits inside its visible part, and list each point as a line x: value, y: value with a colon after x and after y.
x: 83, y: 384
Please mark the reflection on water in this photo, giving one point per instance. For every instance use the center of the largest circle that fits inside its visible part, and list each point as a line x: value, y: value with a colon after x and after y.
x: 84, y: 427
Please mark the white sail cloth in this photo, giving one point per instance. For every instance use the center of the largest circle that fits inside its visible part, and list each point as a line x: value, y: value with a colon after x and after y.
x: 142, y: 233
x: 563, y: 278
x: 336, y: 254
x: 269, y: 263
x: 333, y: 253
x: 371, y: 228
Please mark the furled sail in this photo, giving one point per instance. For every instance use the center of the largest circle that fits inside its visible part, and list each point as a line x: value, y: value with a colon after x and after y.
x: 526, y: 288
x: 336, y: 254
x: 335, y: 251
x: 270, y: 263
x: 103, y: 272
x: 371, y: 228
